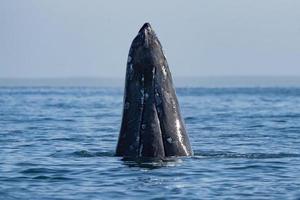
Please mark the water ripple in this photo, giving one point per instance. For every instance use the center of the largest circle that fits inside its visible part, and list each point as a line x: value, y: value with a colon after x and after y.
x: 59, y: 143
x: 246, y: 155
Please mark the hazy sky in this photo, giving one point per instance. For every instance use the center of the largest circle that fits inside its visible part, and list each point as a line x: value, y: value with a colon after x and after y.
x: 79, y: 38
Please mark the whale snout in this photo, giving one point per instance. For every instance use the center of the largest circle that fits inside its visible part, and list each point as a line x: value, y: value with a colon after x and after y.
x: 146, y: 27
x: 147, y: 35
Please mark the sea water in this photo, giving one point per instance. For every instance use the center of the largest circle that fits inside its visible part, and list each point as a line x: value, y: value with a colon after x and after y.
x: 59, y: 143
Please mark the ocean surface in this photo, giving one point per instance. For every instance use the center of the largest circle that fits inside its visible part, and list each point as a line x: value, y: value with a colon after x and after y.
x: 59, y: 143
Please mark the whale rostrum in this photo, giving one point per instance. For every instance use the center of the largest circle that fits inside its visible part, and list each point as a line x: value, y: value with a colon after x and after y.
x: 152, y: 125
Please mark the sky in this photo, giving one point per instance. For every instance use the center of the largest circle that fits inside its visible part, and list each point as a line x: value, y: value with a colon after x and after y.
x: 79, y: 38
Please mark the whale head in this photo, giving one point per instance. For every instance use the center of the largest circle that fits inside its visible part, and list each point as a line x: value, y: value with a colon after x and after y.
x: 152, y: 125
x: 146, y: 48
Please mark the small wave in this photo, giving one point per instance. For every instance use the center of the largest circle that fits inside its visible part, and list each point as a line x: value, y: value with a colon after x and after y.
x: 85, y: 153
x: 25, y: 164
x: 60, y: 105
x: 16, y: 131
x: 191, y: 119
x: 67, y: 139
x: 256, y: 126
x: 54, y: 178
x: 41, y: 177
x: 279, y: 121
x: 246, y: 155
x: 210, y: 128
x: 105, y: 129
x: 273, y: 167
x: 272, y: 116
x: 105, y: 154
x: 42, y: 170
x: 37, y: 170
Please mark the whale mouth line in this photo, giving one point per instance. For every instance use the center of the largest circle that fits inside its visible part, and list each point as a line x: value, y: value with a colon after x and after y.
x: 155, y: 93
x: 140, y: 147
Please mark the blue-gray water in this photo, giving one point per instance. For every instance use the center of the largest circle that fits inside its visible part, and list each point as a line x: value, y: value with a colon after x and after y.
x: 59, y: 142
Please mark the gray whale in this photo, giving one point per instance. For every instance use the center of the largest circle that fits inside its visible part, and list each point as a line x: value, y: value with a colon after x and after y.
x: 152, y: 125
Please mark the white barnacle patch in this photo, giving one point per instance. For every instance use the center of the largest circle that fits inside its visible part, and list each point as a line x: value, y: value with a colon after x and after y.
x: 168, y: 97
x: 153, y: 70
x: 143, y: 126
x: 141, y: 150
x: 178, y: 127
x: 164, y: 53
x: 174, y: 105
x: 129, y: 59
x: 142, y: 92
x: 157, y: 98
x: 130, y: 68
x: 169, y: 140
x: 126, y: 106
x: 130, y: 72
x: 164, y: 70
x: 146, y: 96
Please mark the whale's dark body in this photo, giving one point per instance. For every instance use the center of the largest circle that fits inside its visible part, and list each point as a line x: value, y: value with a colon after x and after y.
x: 152, y: 125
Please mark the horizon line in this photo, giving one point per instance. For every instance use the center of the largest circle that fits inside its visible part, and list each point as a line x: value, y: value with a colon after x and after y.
x: 180, y: 77
x: 188, y: 81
